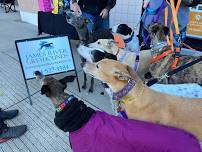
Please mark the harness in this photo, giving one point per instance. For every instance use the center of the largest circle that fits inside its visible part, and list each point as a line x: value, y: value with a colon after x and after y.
x: 177, y: 36
x: 65, y: 103
x: 172, y: 72
x: 123, y: 92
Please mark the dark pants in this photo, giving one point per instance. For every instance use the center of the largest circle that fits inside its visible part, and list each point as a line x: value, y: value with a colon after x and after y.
x: 96, y: 22
x: 2, y: 124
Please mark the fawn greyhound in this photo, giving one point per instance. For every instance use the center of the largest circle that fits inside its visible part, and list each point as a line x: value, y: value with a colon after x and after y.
x: 143, y: 103
x: 95, y: 131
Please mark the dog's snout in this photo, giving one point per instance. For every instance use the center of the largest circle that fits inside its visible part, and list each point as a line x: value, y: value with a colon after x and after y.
x: 87, y: 45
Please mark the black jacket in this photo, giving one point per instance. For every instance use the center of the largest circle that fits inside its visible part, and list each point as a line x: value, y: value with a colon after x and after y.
x: 95, y: 7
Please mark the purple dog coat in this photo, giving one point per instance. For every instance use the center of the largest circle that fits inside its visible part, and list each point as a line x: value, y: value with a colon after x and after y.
x: 106, y: 133
x: 94, y: 131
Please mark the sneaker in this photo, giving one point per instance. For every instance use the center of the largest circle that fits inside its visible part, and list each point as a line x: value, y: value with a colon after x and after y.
x: 12, y: 132
x: 9, y: 114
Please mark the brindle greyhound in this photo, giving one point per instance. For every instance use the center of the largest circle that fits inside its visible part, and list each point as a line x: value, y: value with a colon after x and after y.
x: 96, y: 131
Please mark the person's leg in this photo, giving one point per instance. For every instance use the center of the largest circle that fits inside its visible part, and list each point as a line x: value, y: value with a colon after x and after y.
x: 105, y: 23
x: 6, y: 132
x: 102, y: 23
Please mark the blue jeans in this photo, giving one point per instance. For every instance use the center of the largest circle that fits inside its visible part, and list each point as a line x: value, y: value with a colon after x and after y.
x: 96, y: 22
x: 182, y: 37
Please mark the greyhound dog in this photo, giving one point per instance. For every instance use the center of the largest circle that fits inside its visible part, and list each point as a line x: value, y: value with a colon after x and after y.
x: 80, y: 24
x: 139, y: 61
x: 143, y: 103
x: 128, y: 35
x: 95, y: 131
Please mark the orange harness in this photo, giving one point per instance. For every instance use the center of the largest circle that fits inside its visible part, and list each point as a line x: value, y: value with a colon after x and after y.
x: 170, y: 40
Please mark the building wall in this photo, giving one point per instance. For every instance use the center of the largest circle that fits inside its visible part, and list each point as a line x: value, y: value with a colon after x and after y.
x: 126, y: 11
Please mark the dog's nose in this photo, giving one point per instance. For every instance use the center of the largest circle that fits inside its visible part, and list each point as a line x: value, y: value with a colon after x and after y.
x: 37, y: 73
x: 82, y: 64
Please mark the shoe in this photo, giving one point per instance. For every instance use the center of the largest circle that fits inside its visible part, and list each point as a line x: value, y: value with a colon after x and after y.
x: 12, y: 132
x: 9, y: 114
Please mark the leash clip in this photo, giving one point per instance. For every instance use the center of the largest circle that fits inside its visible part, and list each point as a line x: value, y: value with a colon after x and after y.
x: 165, y: 76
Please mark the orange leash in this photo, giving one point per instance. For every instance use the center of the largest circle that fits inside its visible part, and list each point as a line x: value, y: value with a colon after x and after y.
x: 119, y: 40
x: 175, y: 21
x: 161, y: 56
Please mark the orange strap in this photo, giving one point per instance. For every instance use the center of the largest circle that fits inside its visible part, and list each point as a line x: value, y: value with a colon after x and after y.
x: 175, y: 20
x: 189, y: 47
x: 174, y: 14
x: 161, y: 56
x: 119, y: 40
x: 166, y: 24
x: 174, y: 65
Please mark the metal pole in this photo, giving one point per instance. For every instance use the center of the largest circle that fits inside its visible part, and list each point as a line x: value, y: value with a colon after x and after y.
x: 28, y: 92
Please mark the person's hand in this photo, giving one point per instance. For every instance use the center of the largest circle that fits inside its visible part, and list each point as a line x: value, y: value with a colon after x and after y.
x: 145, y: 3
x: 104, y: 14
x: 76, y: 8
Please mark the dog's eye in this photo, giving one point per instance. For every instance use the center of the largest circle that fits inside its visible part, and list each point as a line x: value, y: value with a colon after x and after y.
x: 97, y: 66
x: 98, y: 43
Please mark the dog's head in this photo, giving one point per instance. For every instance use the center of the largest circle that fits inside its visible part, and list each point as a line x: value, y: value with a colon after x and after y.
x: 111, y: 72
x: 94, y: 54
x: 52, y: 87
x: 109, y: 45
x: 77, y: 21
x: 158, y: 32
x: 123, y: 29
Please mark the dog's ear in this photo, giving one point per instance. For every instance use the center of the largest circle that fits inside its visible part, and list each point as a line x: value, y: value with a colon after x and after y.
x: 110, y: 56
x: 122, y: 76
x: 133, y: 74
x: 166, y: 30
x: 45, y: 89
x: 67, y: 79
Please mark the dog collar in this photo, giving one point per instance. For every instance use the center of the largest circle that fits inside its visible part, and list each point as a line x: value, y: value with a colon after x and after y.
x: 118, y: 95
x: 117, y: 52
x: 65, y: 103
x: 129, y: 39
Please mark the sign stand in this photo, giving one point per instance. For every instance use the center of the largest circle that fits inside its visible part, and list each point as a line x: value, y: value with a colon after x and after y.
x: 28, y: 92
x: 52, y: 46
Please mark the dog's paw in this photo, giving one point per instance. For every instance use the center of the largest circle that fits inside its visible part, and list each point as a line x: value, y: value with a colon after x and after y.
x: 90, y: 90
x: 83, y: 86
x: 102, y: 93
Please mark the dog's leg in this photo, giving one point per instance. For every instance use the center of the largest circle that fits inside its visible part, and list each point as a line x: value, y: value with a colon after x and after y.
x: 91, y: 85
x: 84, y: 81
x: 84, y: 74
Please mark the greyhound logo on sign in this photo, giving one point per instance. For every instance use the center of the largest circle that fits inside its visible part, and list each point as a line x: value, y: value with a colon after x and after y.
x: 44, y: 44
